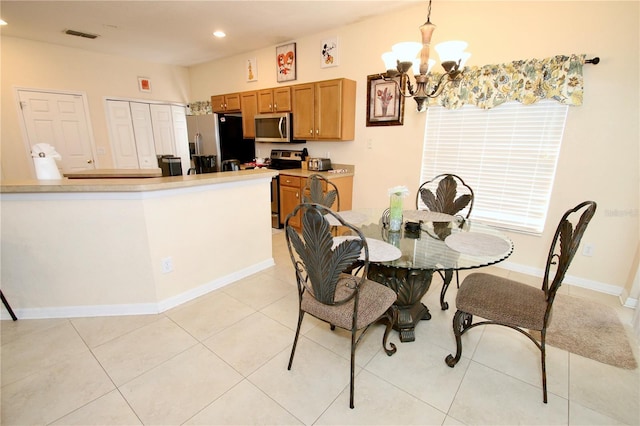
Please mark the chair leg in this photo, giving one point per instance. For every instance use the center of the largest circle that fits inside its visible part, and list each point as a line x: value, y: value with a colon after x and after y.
x: 295, y: 339
x: 461, y: 320
x: 391, y: 313
x: 6, y: 305
x: 353, y: 366
x: 543, y: 356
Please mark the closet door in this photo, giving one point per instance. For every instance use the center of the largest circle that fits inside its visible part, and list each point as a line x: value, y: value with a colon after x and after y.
x: 181, y: 136
x: 123, y: 142
x: 143, y: 131
x: 163, y: 134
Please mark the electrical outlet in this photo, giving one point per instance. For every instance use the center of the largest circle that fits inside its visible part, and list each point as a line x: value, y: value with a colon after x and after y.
x: 588, y: 250
x: 166, y: 265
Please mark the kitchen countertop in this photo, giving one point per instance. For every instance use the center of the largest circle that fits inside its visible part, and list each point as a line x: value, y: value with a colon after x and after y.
x: 114, y: 173
x: 131, y: 184
x: 349, y: 170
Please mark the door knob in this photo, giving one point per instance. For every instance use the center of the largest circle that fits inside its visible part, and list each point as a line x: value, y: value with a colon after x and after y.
x: 89, y: 161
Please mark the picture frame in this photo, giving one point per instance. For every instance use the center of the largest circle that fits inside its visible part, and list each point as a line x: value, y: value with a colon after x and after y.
x: 252, y: 69
x: 144, y: 84
x: 286, y: 61
x: 385, y: 103
x: 329, y: 52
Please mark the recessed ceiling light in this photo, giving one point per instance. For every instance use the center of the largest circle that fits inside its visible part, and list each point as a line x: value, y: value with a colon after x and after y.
x: 219, y: 34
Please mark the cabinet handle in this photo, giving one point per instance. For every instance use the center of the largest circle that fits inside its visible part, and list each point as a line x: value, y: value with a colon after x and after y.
x: 297, y: 195
x: 317, y: 131
x: 311, y: 132
x: 275, y: 107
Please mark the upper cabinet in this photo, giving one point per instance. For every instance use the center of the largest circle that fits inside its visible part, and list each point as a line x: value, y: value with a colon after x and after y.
x: 324, y: 110
x: 274, y: 100
x: 226, y: 103
x: 249, y: 102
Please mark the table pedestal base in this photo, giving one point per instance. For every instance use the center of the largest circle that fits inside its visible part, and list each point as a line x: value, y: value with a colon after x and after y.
x: 410, y: 285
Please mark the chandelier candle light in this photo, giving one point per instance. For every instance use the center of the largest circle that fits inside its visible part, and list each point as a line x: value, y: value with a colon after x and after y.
x: 403, y: 56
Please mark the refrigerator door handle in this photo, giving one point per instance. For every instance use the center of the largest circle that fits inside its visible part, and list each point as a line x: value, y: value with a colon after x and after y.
x: 281, y: 128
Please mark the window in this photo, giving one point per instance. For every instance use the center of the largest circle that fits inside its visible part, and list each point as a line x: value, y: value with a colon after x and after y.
x: 507, y: 154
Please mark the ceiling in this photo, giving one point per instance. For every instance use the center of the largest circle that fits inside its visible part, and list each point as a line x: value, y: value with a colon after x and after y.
x: 180, y: 32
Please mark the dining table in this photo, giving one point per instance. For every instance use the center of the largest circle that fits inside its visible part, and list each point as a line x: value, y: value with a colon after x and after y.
x: 428, y: 242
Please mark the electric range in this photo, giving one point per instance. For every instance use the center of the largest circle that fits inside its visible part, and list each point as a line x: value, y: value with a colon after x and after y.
x: 281, y: 159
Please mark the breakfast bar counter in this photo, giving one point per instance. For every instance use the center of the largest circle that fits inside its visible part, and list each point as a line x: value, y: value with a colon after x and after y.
x: 92, y: 247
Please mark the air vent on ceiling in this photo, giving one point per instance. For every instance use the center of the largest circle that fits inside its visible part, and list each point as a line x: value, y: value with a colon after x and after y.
x: 81, y: 34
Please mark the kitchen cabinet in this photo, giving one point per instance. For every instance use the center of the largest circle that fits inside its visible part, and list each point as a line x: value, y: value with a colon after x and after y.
x: 274, y: 100
x: 226, y: 103
x: 249, y: 108
x: 292, y: 187
x: 324, y: 110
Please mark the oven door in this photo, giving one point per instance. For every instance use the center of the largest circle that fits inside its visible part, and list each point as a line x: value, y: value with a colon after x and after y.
x: 275, y: 202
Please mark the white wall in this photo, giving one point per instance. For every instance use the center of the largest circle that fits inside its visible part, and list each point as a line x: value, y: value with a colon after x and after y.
x: 25, y: 63
x: 599, y: 158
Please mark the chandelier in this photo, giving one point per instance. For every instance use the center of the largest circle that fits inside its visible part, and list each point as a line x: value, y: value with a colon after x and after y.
x: 403, y: 57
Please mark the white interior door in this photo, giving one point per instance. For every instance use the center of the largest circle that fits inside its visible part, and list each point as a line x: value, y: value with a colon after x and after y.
x: 60, y: 120
x: 163, y: 129
x: 143, y: 130
x: 123, y: 142
x: 181, y: 136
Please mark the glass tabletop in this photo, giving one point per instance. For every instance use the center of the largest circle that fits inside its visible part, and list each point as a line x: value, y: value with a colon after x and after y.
x: 439, y: 246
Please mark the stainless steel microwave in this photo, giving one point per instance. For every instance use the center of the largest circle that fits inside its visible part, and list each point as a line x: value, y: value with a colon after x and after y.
x: 274, y: 128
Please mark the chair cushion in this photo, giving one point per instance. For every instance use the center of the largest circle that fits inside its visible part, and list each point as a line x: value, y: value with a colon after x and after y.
x: 374, y: 300
x: 502, y: 300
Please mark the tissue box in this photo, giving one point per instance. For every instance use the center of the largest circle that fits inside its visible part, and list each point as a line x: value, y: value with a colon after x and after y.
x: 46, y: 168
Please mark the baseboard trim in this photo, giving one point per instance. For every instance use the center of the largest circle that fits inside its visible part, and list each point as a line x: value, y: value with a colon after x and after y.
x: 136, y: 308
x: 568, y: 279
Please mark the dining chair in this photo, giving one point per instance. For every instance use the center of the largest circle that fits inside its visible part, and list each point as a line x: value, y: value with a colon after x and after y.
x: 441, y: 195
x: 8, y: 306
x: 321, y: 190
x: 516, y: 305
x: 325, y: 291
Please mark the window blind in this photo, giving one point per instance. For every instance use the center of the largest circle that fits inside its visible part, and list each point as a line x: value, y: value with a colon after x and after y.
x: 507, y: 154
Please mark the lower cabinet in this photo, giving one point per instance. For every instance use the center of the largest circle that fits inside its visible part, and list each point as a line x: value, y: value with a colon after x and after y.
x: 291, y: 190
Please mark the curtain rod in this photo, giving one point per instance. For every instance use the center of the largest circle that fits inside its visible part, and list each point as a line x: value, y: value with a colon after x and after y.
x: 593, y: 61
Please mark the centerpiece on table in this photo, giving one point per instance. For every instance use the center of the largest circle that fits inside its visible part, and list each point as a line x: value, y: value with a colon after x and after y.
x: 396, y: 196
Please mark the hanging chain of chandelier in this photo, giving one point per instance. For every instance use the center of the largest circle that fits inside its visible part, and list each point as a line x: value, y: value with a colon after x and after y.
x: 404, y: 56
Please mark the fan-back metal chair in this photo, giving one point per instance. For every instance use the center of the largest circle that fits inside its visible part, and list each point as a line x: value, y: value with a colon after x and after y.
x: 321, y: 190
x: 512, y: 304
x: 446, y: 193
x: 325, y: 291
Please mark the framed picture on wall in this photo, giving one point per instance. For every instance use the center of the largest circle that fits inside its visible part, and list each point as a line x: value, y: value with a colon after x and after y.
x: 286, y: 62
x: 144, y: 84
x: 252, y: 69
x: 329, y: 53
x: 385, y: 104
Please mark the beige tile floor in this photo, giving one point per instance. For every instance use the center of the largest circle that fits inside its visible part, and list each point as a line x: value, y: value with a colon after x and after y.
x: 222, y: 358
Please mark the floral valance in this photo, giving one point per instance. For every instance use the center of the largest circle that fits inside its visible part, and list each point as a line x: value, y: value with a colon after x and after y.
x: 526, y: 81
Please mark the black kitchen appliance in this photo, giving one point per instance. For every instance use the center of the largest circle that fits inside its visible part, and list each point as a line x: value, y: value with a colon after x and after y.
x: 281, y: 159
x: 231, y: 141
x: 204, y: 164
x: 170, y: 165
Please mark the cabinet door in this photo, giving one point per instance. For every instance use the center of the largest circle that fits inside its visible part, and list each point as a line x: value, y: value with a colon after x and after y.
x: 233, y: 102
x: 282, y: 99
x: 265, y: 101
x: 328, y: 109
x: 303, y: 108
x: 289, y: 199
x: 217, y: 103
x: 249, y: 102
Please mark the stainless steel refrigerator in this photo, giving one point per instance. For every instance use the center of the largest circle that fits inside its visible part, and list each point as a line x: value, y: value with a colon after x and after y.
x: 219, y: 135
